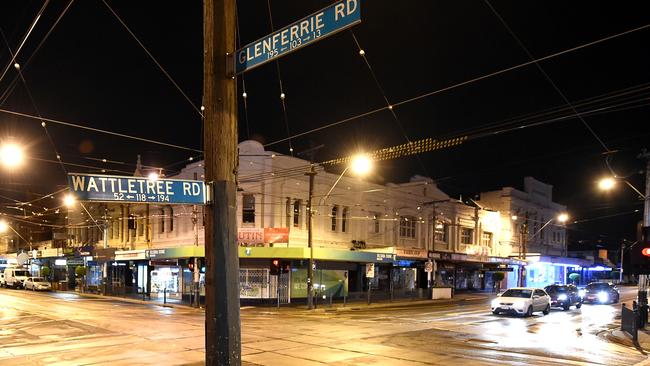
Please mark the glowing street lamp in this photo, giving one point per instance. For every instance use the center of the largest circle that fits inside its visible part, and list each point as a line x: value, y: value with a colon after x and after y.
x: 153, y: 176
x: 11, y: 155
x: 606, y: 184
x: 562, y: 218
x: 361, y: 164
x: 3, y: 226
x: 69, y: 200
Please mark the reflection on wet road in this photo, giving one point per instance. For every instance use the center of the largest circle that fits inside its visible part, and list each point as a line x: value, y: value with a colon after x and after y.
x: 38, y: 329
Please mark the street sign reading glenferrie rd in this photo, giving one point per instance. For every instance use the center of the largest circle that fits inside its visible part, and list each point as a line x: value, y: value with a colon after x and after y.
x: 320, y: 24
x: 110, y: 188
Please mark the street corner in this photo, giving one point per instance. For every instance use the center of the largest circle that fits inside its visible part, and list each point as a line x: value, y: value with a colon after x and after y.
x: 623, y: 338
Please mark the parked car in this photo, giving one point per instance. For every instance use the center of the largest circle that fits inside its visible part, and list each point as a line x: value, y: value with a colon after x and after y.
x: 522, y: 301
x: 37, y: 284
x: 15, y: 277
x: 601, y: 293
x: 564, y: 296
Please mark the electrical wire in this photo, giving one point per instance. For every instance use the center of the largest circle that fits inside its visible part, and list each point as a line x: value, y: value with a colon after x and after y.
x: 162, y: 69
x: 98, y: 130
x: 546, y: 76
x: 463, y: 83
x: 25, y: 37
x: 282, y: 95
x: 5, y: 95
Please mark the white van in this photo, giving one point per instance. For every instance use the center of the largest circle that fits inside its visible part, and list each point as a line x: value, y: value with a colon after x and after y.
x: 15, y: 277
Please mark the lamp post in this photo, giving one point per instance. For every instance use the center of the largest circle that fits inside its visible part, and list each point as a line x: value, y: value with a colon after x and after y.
x: 360, y: 165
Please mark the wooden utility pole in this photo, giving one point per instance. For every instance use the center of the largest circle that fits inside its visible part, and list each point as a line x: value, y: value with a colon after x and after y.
x: 222, y: 323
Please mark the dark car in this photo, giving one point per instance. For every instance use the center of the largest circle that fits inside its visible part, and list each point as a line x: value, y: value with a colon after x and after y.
x: 564, y: 296
x: 601, y: 293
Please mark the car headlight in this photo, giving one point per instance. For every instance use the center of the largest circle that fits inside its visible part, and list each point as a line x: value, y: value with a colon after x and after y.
x: 562, y: 297
x: 582, y: 293
x: 519, y: 304
x: 495, y: 303
x: 603, y: 296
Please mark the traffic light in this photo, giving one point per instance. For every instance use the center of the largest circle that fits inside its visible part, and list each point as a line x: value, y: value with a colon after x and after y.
x: 640, y: 254
x: 275, y: 267
x: 190, y: 264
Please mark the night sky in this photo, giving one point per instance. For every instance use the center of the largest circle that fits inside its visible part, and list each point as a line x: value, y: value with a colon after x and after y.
x: 90, y: 71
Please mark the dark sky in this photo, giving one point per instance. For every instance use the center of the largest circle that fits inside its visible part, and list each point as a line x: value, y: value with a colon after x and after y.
x: 91, y: 72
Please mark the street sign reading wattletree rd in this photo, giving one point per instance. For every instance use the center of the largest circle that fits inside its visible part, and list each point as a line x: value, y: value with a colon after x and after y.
x: 332, y: 19
x: 110, y: 188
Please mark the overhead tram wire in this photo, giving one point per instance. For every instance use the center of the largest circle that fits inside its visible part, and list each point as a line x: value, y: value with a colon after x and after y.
x: 545, y: 74
x: 463, y: 83
x: 24, y: 40
x: 242, y: 76
x: 298, y: 172
x: 162, y: 69
x: 33, y: 102
x: 362, y: 53
x: 12, y: 85
x: 282, y: 95
x: 98, y: 130
x: 513, y: 124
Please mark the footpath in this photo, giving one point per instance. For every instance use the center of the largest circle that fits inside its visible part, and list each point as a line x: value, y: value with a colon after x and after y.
x: 337, y: 306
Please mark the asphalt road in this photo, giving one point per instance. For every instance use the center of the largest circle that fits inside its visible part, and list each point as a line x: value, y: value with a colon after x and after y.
x: 66, y: 329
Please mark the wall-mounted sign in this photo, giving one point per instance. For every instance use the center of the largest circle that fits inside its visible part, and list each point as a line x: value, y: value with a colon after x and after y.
x: 252, y: 236
x: 412, y: 253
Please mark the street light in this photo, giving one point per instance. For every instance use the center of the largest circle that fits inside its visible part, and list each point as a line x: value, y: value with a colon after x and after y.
x: 606, y: 184
x: 11, y: 155
x: 153, y: 176
x: 69, y: 200
x: 361, y: 165
x: 3, y: 226
x: 562, y: 218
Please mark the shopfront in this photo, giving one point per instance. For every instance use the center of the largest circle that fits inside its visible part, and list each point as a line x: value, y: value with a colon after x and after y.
x: 542, y: 271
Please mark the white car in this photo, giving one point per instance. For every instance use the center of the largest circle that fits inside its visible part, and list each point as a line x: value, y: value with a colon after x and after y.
x: 522, y: 301
x: 37, y: 284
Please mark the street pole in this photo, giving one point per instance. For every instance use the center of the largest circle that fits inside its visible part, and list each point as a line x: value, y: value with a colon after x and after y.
x: 310, y: 271
x: 620, y: 272
x: 642, y: 296
x: 196, y: 275
x: 222, y: 322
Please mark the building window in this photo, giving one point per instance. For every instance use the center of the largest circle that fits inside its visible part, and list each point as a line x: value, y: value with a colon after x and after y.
x: 162, y: 220
x: 171, y: 219
x: 466, y: 235
x: 111, y: 228
x: 487, y: 239
x: 248, y: 209
x: 297, y: 206
x: 140, y: 227
x: 335, y: 212
x: 374, y: 225
x: 441, y: 231
x: 287, y: 211
x: 344, y: 219
x: 407, y: 227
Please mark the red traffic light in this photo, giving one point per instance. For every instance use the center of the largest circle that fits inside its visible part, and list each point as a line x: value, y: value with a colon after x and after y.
x: 645, y: 252
x: 276, y: 263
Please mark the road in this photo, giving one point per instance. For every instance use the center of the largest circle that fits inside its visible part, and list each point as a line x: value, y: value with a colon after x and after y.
x: 66, y: 329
